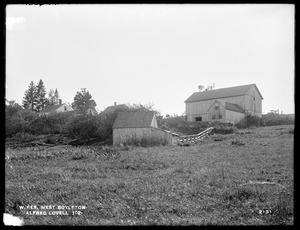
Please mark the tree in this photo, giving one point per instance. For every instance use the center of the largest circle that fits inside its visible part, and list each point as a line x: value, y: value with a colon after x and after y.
x: 83, y: 101
x: 53, y: 97
x: 56, y: 96
x: 41, y: 99
x: 12, y: 108
x: 203, y: 88
x: 30, y: 97
x: 210, y: 87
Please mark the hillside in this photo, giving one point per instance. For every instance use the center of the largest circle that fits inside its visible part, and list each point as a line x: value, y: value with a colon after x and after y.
x: 245, y: 178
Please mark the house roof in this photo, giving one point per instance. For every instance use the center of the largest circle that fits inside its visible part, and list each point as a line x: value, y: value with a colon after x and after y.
x: 139, y: 119
x: 221, y: 93
x: 52, y: 108
x: 233, y: 107
x: 112, y: 108
x: 91, y: 108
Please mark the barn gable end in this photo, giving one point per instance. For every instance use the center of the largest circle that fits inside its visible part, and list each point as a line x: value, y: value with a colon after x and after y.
x: 237, y: 101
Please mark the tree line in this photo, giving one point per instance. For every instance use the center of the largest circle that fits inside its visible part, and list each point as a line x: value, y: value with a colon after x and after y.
x: 36, y: 98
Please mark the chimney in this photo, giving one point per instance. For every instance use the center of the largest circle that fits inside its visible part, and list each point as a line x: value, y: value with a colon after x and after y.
x: 115, y: 103
x: 60, y: 101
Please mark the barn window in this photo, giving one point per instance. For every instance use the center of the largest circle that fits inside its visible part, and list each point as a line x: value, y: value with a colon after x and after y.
x: 220, y: 116
x: 214, y: 117
x: 216, y: 106
x: 253, y: 98
x: 65, y: 108
x: 198, y: 118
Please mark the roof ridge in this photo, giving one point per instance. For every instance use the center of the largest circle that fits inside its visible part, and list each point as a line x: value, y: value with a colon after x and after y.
x: 221, y: 93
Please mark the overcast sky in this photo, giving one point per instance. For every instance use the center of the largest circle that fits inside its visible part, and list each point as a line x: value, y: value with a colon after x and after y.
x: 151, y: 54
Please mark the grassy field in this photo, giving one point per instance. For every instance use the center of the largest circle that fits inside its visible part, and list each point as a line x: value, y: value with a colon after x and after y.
x: 244, y: 178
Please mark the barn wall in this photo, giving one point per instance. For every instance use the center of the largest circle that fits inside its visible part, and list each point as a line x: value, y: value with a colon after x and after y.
x: 200, y: 108
x: 213, y: 114
x: 254, y: 106
x: 246, y: 102
x: 123, y: 134
x: 233, y: 117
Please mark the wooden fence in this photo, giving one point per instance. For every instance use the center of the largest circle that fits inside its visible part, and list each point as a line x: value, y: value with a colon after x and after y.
x: 194, y: 137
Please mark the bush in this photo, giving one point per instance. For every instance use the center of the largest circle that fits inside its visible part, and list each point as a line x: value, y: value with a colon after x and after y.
x: 250, y: 121
x: 50, y: 124
x: 19, y: 122
x: 223, y: 128
x: 278, y: 119
x: 23, y: 137
x: 145, y: 141
x: 84, y: 127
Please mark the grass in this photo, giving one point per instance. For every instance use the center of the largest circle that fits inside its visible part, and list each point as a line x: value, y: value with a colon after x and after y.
x: 208, y: 183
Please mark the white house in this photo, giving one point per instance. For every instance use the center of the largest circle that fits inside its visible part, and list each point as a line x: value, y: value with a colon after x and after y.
x: 60, y: 108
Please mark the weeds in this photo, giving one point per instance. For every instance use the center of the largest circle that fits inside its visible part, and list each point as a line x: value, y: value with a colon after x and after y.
x: 145, y: 141
x: 205, y: 184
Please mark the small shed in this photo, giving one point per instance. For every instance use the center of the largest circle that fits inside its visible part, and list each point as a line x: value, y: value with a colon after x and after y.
x: 135, y: 126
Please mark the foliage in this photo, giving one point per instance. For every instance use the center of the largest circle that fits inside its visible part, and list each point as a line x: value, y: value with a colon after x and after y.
x: 12, y: 108
x: 145, y: 141
x: 53, y: 97
x: 18, y: 119
x: 202, y: 88
x: 271, y: 119
x: 23, y: 137
x: 250, y: 121
x: 203, y: 184
x: 41, y: 100
x: 223, y: 128
x: 84, y: 126
x: 30, y: 97
x: 50, y: 124
x: 83, y: 101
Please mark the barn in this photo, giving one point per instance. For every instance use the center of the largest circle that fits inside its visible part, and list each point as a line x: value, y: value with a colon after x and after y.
x: 225, y: 105
x: 139, y: 125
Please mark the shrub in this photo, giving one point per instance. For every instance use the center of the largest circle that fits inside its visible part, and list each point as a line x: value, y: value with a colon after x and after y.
x: 84, y: 127
x: 50, y: 124
x: 223, y: 128
x: 23, y: 137
x: 278, y: 119
x: 250, y: 121
x: 19, y: 122
x: 145, y: 141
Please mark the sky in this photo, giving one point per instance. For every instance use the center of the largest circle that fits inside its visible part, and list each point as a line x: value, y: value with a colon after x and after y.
x: 151, y: 54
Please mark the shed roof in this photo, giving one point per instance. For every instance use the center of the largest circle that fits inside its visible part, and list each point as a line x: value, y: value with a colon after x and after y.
x: 233, y: 107
x: 221, y: 93
x: 139, y: 119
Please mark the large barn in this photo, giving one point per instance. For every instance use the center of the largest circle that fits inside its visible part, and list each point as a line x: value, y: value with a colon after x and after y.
x: 138, y: 125
x: 224, y: 105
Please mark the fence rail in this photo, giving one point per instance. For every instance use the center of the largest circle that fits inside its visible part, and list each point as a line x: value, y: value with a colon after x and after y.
x: 193, y: 137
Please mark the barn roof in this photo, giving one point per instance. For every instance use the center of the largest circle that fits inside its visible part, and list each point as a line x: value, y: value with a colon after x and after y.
x: 139, y: 119
x: 221, y: 93
x: 233, y: 107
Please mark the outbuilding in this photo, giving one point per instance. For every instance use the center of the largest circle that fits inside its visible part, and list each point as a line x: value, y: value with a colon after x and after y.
x: 225, y: 105
x: 137, y: 126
